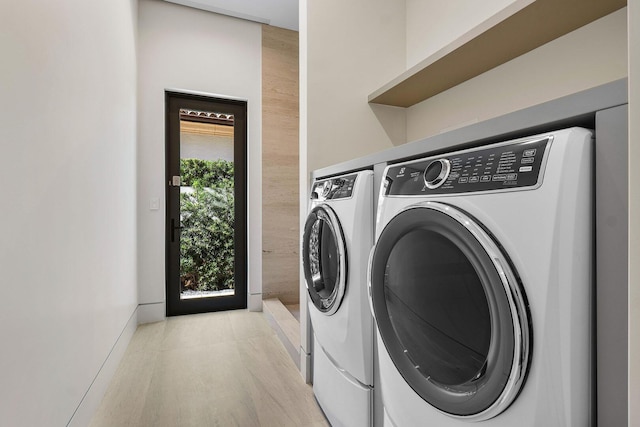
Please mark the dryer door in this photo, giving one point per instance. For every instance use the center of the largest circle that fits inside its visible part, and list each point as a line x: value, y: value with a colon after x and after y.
x: 450, y: 311
x: 324, y: 259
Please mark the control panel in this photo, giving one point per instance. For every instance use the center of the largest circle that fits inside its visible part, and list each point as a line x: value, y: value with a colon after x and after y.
x: 333, y: 188
x: 493, y: 167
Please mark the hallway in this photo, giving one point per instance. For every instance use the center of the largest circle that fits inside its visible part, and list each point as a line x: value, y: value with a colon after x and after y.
x: 216, y: 369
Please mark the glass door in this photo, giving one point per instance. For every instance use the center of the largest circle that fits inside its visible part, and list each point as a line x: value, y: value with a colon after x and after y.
x: 206, y: 214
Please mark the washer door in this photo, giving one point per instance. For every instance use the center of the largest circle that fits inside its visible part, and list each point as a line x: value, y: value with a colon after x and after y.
x: 450, y: 311
x: 324, y: 259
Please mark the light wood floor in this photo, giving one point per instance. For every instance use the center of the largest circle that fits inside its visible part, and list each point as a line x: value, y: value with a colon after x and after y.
x: 217, y: 369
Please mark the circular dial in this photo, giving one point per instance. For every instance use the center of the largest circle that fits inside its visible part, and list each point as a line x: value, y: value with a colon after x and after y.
x: 326, y: 188
x: 436, y: 173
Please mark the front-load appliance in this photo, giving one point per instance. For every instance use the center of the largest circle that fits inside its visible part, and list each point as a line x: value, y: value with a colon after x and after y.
x: 481, y: 285
x: 338, y: 237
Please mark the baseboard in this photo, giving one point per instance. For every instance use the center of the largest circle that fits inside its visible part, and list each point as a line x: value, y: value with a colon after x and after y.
x: 93, y: 397
x: 254, y: 302
x: 152, y: 312
x: 285, y: 325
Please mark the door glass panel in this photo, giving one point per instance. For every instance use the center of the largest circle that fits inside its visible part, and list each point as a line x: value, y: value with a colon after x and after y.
x: 329, y: 259
x: 206, y: 204
x: 437, y: 307
x: 323, y: 257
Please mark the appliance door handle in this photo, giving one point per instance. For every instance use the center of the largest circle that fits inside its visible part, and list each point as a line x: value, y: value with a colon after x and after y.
x: 369, y: 272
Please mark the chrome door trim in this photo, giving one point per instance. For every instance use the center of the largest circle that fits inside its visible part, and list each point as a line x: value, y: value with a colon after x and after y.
x: 517, y: 305
x: 331, y: 303
x: 369, y: 273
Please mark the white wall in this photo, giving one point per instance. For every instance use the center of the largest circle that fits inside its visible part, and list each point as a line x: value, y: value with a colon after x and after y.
x: 429, y: 23
x: 189, y: 49
x: 634, y: 212
x: 353, y: 48
x: 590, y: 56
x: 206, y: 147
x: 67, y: 167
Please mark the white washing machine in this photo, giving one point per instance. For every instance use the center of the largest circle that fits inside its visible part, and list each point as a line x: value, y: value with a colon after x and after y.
x: 481, y: 285
x: 338, y: 237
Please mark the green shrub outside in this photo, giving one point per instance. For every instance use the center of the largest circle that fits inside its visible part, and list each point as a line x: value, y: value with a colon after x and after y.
x: 206, y: 173
x: 207, y: 214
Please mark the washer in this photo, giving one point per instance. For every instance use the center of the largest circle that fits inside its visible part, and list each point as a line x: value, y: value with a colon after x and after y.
x: 338, y: 237
x: 481, y: 285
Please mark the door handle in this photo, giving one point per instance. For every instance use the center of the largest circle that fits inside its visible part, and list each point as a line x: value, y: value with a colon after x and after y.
x: 173, y: 229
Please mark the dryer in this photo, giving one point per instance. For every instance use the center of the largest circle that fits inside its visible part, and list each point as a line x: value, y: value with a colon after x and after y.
x: 338, y: 237
x: 481, y: 284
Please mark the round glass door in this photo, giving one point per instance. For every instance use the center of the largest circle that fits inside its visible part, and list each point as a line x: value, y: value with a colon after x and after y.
x: 324, y: 259
x: 450, y: 311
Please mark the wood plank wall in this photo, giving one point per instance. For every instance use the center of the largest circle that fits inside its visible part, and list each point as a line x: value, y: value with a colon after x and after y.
x: 208, y: 129
x: 280, y: 130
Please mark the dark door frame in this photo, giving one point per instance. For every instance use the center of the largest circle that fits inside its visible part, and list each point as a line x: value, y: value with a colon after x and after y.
x: 174, y: 101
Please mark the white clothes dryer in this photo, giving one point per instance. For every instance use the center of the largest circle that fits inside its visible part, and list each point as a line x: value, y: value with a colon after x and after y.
x: 481, y: 285
x: 338, y: 237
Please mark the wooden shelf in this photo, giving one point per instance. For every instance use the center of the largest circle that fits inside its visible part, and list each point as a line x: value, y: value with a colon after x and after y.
x: 530, y: 26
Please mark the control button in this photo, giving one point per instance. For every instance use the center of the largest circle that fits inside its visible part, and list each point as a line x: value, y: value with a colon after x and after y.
x: 436, y: 173
x: 512, y: 177
x: 432, y: 171
x: 463, y: 180
x: 529, y: 153
x: 525, y: 168
x: 474, y: 179
x: 499, y: 177
x: 485, y: 178
x: 527, y: 160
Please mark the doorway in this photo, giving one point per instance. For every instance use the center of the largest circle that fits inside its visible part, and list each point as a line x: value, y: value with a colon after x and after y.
x: 206, y: 216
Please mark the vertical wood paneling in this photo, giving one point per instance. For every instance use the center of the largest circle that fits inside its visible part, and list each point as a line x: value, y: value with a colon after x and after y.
x: 280, y: 189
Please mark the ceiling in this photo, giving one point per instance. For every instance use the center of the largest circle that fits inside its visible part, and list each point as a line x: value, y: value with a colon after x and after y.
x: 279, y: 13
